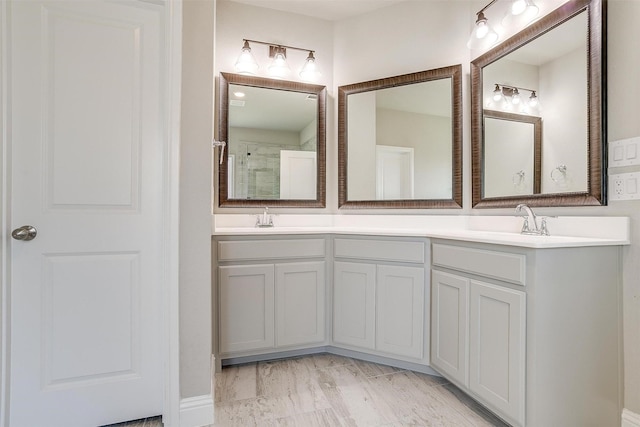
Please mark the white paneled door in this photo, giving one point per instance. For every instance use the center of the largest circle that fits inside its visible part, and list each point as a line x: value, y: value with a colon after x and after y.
x: 87, y: 146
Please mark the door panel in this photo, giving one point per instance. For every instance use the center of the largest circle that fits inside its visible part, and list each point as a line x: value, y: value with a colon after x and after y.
x: 300, y: 290
x: 449, y: 325
x: 89, y: 121
x: 246, y: 304
x: 298, y: 174
x: 497, y: 347
x: 394, y: 172
x: 400, y: 310
x: 354, y: 304
x: 87, y: 147
x: 103, y: 291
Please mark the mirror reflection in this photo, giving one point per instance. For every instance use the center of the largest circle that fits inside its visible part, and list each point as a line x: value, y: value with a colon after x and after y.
x: 557, y: 65
x: 401, y: 137
x: 276, y: 142
x: 272, y: 144
x: 399, y: 141
x: 511, y: 154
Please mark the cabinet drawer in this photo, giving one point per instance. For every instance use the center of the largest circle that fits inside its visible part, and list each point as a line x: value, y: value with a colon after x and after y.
x: 270, y: 249
x: 497, y: 265
x: 383, y: 250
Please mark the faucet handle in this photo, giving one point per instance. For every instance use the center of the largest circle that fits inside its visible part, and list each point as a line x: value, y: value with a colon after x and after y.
x: 525, y: 225
x: 544, y: 230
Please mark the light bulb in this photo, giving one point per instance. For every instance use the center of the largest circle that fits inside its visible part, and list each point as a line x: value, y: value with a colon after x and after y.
x: 309, y: 71
x: 533, y: 100
x: 483, y: 30
x: 521, y: 13
x: 515, y: 98
x: 497, y: 94
x: 246, y: 63
x: 483, y: 36
x: 518, y: 6
x: 279, y: 67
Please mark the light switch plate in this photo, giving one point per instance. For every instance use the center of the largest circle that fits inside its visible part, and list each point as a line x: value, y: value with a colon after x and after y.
x: 624, y: 186
x: 624, y: 152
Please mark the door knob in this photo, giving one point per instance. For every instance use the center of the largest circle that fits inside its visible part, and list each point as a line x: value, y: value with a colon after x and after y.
x: 25, y: 233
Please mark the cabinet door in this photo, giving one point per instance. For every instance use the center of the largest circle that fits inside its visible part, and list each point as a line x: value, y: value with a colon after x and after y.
x: 246, y: 307
x: 449, y: 302
x: 300, y: 291
x: 354, y: 304
x: 497, y: 347
x: 400, y: 310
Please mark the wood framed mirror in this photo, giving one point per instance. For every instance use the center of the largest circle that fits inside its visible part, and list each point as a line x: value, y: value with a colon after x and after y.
x: 400, y: 141
x: 512, y: 154
x: 275, y: 132
x: 561, y: 58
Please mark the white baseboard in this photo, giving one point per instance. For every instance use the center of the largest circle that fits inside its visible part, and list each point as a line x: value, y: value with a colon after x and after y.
x: 630, y: 419
x: 196, y: 411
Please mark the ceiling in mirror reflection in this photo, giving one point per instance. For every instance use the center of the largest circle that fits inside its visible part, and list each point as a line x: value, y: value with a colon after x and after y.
x: 568, y: 37
x: 541, y: 66
x: 271, y: 109
x: 429, y: 98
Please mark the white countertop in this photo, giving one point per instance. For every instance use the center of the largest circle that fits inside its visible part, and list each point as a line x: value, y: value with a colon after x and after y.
x: 500, y: 230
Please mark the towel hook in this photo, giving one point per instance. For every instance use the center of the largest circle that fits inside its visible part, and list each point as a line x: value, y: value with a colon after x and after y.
x: 220, y: 144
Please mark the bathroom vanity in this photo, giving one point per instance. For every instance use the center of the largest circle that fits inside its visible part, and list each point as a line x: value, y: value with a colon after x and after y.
x: 271, y: 294
x: 529, y: 326
x: 533, y: 334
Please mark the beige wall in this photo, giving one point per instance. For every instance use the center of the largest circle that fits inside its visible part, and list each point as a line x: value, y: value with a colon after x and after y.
x: 195, y: 201
x: 624, y: 122
x: 418, y: 35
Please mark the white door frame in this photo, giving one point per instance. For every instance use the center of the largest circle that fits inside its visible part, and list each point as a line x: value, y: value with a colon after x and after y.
x: 170, y: 289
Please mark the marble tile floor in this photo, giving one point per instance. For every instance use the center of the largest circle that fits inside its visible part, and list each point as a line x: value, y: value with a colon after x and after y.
x: 329, y: 390
x: 145, y: 422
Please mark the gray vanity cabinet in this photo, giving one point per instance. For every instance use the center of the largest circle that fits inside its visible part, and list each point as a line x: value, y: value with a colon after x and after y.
x: 380, y: 297
x: 271, y: 295
x: 533, y: 334
x: 478, y: 328
x: 246, y: 295
x: 450, y: 325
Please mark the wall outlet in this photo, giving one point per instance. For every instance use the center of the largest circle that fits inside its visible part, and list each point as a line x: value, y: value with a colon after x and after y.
x: 624, y: 186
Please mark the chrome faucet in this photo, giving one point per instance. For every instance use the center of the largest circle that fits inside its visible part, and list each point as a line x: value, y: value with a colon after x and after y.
x: 530, y: 225
x: 264, y: 219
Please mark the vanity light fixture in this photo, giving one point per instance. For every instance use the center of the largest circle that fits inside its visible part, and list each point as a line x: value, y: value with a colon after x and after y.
x: 246, y: 63
x: 279, y: 68
x: 510, y: 97
x: 483, y: 36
